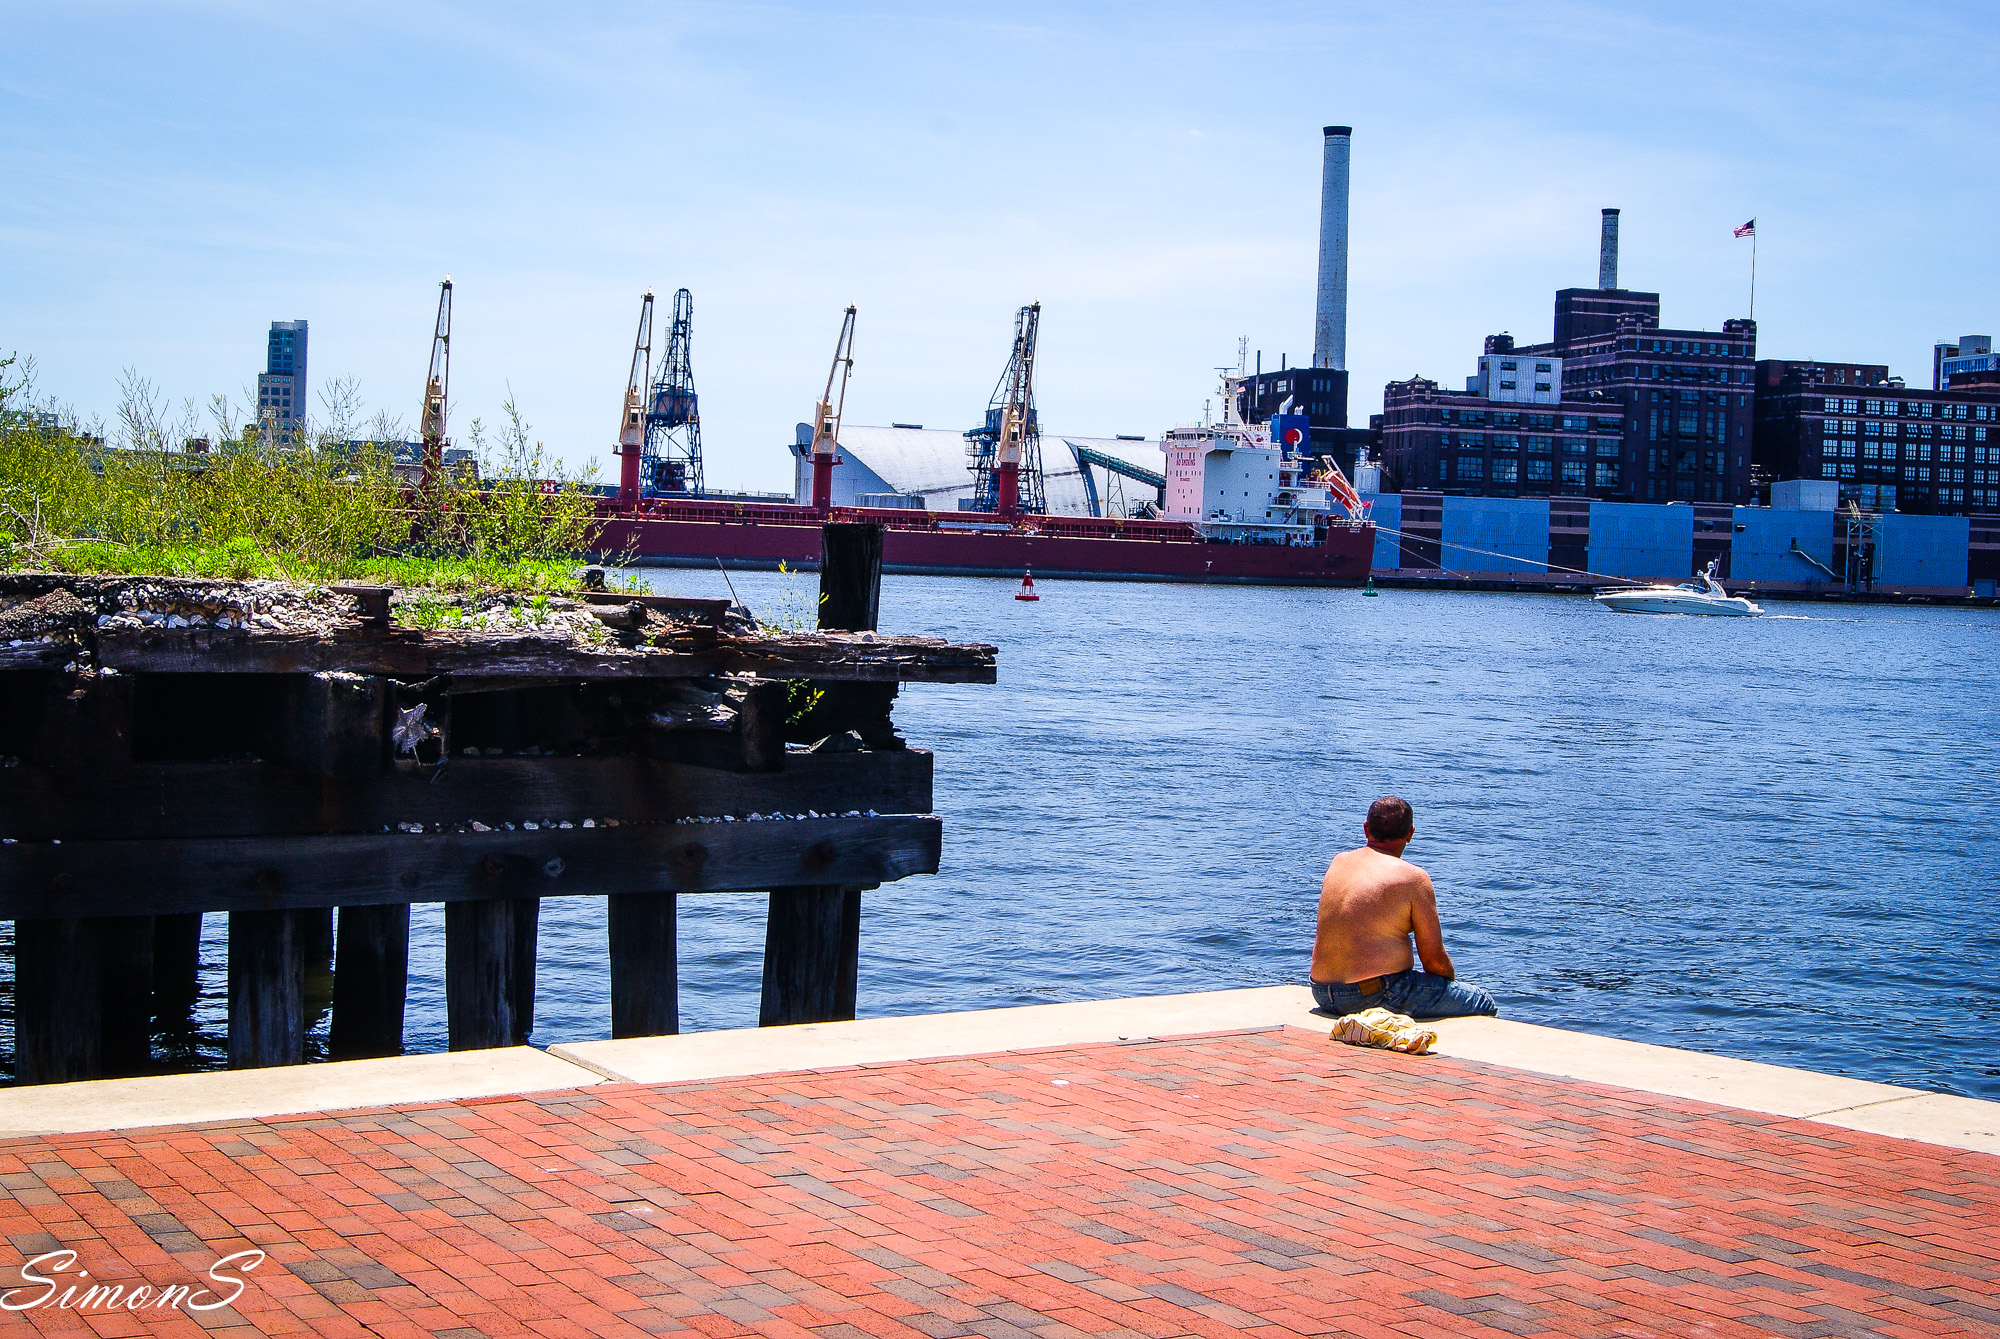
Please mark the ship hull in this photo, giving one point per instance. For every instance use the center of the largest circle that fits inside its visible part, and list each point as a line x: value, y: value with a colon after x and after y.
x: 700, y: 534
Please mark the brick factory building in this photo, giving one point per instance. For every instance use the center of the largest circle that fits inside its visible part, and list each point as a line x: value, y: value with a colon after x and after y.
x: 1890, y: 447
x: 1511, y: 433
x: 1679, y: 401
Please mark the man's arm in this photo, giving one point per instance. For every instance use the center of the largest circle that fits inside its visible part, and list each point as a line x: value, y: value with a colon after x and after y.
x: 1430, y: 935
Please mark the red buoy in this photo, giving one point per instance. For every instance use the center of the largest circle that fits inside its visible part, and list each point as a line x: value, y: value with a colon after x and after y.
x: 1027, y: 591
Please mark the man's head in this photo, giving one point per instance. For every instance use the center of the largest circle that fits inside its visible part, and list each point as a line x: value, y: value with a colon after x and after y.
x: 1390, y: 823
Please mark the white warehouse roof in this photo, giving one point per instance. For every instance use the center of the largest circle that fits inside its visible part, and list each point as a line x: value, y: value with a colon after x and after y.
x: 932, y: 462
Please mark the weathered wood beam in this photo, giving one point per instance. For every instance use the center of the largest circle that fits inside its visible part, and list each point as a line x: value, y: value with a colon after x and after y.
x: 45, y: 879
x: 336, y: 725
x: 409, y: 654
x: 643, y: 933
x: 267, y: 799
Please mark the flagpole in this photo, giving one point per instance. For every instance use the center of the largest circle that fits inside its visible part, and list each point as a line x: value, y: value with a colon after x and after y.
x: 1753, y: 272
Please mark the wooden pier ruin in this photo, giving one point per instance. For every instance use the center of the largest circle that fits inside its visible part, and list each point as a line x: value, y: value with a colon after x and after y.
x: 171, y: 748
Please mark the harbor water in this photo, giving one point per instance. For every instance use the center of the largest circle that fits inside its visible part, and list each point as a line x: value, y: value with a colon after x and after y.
x: 1768, y: 838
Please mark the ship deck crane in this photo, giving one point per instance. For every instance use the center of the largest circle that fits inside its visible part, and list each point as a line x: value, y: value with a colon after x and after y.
x: 826, y: 414
x: 672, y: 457
x: 632, y: 427
x: 1007, y: 449
x: 437, y: 388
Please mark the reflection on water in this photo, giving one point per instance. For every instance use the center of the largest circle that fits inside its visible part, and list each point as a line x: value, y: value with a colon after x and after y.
x: 1771, y: 838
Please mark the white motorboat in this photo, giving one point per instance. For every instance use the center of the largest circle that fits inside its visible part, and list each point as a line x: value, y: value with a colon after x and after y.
x: 1704, y: 595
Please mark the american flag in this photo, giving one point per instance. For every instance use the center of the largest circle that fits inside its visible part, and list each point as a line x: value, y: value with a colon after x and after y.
x: 1748, y: 230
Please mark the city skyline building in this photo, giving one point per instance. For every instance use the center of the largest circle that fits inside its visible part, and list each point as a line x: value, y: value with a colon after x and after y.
x: 281, y: 386
x: 1972, y: 353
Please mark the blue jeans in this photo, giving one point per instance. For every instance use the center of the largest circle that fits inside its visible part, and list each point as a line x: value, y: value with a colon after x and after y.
x: 1416, y: 993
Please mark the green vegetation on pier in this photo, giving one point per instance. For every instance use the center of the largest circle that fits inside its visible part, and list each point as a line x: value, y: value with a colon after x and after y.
x: 154, y: 495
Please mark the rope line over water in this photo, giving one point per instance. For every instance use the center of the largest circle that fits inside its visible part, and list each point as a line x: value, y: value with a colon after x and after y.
x: 1510, y: 557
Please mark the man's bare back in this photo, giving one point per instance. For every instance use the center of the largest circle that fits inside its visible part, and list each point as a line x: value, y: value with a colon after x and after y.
x: 1372, y: 903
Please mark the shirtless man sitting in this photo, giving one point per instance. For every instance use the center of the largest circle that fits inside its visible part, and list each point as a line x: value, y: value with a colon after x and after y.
x: 1370, y: 904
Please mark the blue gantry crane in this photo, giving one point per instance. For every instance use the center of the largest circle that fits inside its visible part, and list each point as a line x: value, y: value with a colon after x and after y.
x: 671, y: 464
x: 1005, y: 452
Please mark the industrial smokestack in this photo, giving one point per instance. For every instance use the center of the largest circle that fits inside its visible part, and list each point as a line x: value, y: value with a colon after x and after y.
x: 1330, y: 325
x: 1607, y: 252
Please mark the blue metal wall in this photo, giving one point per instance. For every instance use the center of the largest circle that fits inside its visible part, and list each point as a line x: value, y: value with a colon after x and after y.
x: 1388, y: 515
x: 1639, y: 539
x: 1922, y: 551
x: 1761, y: 550
x: 1477, y: 528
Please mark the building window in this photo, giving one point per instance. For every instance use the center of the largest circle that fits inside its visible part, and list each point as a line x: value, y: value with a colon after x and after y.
x: 1506, y: 385
x: 1573, y: 472
x: 1607, y: 446
x: 1575, y: 446
x: 1539, y: 470
x: 1470, y: 467
x: 1506, y: 441
x: 1506, y: 471
x: 1542, y: 367
x: 1607, y: 476
x: 1829, y: 469
x: 1541, y: 385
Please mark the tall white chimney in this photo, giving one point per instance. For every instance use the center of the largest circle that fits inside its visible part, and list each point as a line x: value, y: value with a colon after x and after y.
x: 1607, y: 252
x: 1330, y: 324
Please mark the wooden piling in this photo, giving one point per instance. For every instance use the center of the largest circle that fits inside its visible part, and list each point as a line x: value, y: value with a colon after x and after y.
x: 811, y: 948
x: 489, y: 954
x: 850, y: 576
x: 371, y: 972
x: 812, y: 938
x: 58, y: 1001
x: 267, y: 1009
x: 125, y: 947
x: 645, y: 965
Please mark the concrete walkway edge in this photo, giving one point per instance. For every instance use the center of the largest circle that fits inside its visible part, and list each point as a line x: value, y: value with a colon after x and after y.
x: 118, y: 1104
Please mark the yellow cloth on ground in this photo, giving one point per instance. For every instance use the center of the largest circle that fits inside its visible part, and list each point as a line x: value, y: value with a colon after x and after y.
x: 1387, y: 1031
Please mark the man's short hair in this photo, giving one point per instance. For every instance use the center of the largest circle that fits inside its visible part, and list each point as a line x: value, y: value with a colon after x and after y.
x: 1390, y: 819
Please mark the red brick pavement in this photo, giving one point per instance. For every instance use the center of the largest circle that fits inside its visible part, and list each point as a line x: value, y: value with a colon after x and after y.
x: 1267, y: 1183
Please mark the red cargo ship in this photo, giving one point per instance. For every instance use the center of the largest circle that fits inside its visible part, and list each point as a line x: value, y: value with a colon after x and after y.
x: 682, y: 532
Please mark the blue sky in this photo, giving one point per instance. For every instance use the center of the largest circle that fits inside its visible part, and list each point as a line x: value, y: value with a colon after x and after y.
x: 181, y: 175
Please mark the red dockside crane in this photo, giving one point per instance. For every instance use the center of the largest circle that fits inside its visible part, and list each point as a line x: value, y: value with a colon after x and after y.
x: 1007, y: 447
x: 826, y: 416
x: 632, y: 428
x: 436, y: 390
